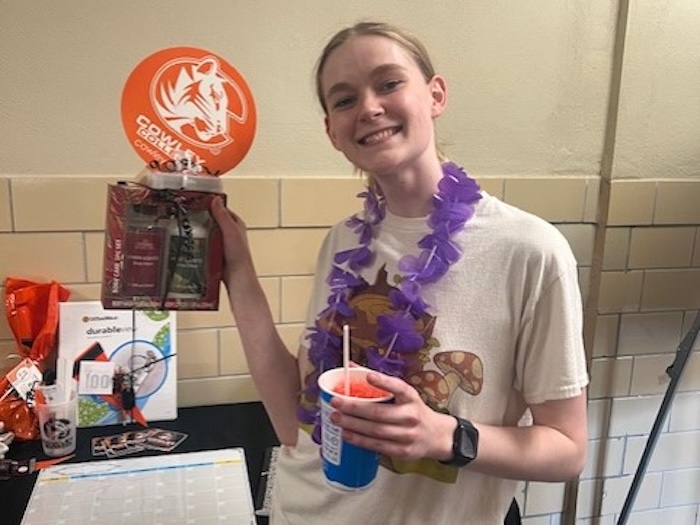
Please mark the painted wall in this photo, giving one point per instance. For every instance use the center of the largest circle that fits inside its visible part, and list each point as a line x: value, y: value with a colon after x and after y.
x: 528, y: 81
x: 659, y: 128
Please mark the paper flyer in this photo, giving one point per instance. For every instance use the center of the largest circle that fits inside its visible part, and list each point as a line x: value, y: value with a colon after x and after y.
x: 141, y: 344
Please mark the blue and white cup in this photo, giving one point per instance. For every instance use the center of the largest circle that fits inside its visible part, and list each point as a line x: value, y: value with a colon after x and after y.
x: 346, y: 466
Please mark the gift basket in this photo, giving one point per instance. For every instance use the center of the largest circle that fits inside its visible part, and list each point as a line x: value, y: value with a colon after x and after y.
x: 162, y: 247
x: 191, y: 116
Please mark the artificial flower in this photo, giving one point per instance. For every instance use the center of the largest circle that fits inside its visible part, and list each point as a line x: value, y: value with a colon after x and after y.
x: 398, y: 332
x: 384, y: 363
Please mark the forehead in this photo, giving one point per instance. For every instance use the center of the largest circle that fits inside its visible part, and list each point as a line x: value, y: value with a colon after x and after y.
x: 362, y: 55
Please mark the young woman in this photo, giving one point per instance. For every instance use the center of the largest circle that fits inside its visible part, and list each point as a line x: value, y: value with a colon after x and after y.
x: 470, y: 308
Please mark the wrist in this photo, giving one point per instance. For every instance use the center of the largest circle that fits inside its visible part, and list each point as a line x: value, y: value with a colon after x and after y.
x: 443, y: 451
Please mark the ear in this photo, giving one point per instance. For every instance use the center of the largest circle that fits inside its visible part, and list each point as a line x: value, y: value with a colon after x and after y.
x: 438, y: 92
x: 331, y: 135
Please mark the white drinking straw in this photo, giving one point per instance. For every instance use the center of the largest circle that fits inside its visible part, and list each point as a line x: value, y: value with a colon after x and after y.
x: 346, y: 357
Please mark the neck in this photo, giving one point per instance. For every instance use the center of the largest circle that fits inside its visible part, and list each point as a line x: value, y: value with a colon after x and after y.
x: 410, y: 194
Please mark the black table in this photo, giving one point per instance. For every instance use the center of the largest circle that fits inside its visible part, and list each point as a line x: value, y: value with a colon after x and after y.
x: 209, y: 428
x: 243, y: 425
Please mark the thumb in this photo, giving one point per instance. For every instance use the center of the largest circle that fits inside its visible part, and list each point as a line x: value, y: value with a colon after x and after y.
x: 394, y: 385
x: 224, y: 217
x: 217, y: 208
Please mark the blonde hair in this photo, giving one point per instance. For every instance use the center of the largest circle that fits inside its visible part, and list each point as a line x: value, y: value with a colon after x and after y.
x: 407, y: 41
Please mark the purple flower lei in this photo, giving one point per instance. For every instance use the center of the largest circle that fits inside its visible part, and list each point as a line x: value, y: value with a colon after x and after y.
x: 397, y: 334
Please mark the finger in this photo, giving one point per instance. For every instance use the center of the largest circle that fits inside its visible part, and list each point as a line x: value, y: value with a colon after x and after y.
x: 218, y: 209
x: 368, y: 424
x: 371, y: 432
x: 222, y: 214
x: 350, y: 412
x: 402, y: 391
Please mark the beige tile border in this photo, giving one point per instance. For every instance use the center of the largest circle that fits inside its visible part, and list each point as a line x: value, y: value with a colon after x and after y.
x: 631, y: 202
x: 76, y: 203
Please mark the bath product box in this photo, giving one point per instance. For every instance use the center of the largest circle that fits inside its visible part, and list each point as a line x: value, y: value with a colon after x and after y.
x: 141, y: 345
x: 162, y: 250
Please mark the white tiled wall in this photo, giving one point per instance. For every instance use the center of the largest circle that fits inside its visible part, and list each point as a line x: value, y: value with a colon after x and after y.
x: 649, y: 292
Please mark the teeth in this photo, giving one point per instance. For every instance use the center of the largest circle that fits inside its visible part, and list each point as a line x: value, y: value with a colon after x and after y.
x: 378, y: 137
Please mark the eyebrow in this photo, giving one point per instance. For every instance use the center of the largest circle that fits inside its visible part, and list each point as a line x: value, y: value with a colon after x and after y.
x: 376, y: 72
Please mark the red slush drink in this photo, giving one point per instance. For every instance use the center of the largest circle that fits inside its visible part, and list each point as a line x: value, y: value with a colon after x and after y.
x: 359, y: 388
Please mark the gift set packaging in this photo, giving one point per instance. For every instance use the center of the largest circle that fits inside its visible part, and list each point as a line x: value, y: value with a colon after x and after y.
x: 163, y: 249
x: 113, y: 349
x: 191, y: 117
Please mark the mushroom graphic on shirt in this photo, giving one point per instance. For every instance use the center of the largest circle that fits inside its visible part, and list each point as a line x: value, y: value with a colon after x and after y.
x: 369, y: 302
x: 463, y: 370
x: 432, y: 387
x: 458, y: 370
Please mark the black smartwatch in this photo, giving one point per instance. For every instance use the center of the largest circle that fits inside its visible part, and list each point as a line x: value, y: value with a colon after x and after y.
x: 465, y: 444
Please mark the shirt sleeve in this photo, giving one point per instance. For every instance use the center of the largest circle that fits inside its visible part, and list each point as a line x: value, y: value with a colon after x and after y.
x: 550, y: 358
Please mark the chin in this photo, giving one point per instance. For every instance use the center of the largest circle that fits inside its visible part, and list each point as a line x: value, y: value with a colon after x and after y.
x: 377, y: 166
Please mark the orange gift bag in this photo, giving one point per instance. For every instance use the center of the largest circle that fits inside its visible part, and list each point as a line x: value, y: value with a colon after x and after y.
x: 32, y: 313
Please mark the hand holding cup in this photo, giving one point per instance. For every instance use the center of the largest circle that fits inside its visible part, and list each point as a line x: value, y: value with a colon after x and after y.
x: 347, y: 466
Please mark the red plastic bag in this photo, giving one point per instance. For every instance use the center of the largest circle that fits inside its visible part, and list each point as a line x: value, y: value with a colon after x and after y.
x: 17, y: 415
x: 32, y: 313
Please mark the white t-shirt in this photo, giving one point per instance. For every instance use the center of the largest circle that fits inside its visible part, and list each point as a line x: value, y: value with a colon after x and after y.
x: 510, y: 310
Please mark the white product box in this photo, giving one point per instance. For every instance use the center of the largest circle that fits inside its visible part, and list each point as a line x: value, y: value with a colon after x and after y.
x: 140, y: 344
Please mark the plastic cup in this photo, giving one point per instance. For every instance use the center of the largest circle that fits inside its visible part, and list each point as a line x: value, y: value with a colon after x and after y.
x: 345, y: 466
x: 58, y: 417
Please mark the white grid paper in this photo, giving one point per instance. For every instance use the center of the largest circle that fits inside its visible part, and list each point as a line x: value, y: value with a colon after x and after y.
x: 199, y: 488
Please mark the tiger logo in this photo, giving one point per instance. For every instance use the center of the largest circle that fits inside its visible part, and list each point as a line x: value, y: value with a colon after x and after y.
x: 196, y: 99
x: 57, y: 429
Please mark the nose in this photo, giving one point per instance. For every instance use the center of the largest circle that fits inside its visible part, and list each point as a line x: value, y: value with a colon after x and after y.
x: 370, y: 106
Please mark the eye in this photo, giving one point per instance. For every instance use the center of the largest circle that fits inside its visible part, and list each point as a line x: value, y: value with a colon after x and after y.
x: 343, y: 102
x: 390, y: 85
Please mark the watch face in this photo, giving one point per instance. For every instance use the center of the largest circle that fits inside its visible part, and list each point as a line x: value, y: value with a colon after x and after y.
x: 467, y: 447
x: 466, y: 442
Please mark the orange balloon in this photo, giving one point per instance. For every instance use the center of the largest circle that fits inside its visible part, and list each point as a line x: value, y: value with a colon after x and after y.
x: 187, y: 107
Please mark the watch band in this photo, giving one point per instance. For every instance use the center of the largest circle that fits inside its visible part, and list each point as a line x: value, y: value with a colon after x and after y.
x: 465, y: 444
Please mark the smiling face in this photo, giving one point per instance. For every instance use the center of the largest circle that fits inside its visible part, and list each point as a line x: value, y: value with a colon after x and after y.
x: 379, y: 106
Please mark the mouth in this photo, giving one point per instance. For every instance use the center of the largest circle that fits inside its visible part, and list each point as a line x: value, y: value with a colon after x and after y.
x: 379, y: 136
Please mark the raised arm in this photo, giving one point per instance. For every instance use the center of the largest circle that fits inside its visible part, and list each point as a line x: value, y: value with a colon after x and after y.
x: 273, y: 368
